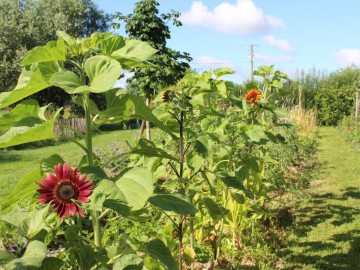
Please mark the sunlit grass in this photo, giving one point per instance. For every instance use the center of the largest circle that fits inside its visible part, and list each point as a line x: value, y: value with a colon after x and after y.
x: 14, y: 164
x: 327, y: 232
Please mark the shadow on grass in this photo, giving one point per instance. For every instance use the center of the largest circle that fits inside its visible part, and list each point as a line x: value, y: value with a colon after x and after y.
x: 319, y: 209
x: 8, y: 157
x: 352, y: 192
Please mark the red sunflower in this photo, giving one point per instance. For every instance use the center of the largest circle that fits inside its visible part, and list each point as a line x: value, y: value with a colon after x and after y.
x: 253, y: 96
x: 63, y: 189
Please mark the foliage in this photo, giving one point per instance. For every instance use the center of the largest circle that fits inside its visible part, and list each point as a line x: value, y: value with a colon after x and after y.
x: 203, y: 185
x: 334, y: 103
x: 306, y: 82
x: 26, y: 24
x: 335, y: 99
x: 146, y: 24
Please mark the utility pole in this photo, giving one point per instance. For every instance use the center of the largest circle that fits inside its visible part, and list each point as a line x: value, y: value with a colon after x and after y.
x: 251, y: 55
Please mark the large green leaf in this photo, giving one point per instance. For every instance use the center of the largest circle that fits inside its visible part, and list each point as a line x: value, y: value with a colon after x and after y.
x: 107, y: 194
x: 158, y: 250
x: 128, y: 262
x: 216, y: 212
x: 112, y: 44
x: 128, y: 106
x: 29, y: 130
x: 5, y: 257
x: 48, y: 69
x: 48, y: 164
x: 30, y: 82
x: 33, y: 257
x: 256, y: 134
x: 177, y: 202
x: 16, y: 216
x: 23, y: 190
x: 136, y: 49
x: 234, y: 179
x: 219, y: 72
x: 137, y: 186
x: 33, y: 224
x: 68, y: 81
x: 52, y: 51
x: 103, y: 72
x: 25, y: 109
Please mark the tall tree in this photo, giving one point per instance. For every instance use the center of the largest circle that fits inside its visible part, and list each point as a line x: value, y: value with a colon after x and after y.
x: 146, y: 24
x: 25, y: 24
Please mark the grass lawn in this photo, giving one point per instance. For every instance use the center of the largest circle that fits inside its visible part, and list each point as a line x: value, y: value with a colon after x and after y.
x: 14, y: 164
x: 327, y: 232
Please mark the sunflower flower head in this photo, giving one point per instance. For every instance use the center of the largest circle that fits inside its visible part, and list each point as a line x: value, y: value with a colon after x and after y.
x: 253, y: 96
x: 166, y: 96
x: 64, y: 189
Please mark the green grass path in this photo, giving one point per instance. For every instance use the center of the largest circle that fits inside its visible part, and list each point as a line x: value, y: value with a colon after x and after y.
x: 327, y: 221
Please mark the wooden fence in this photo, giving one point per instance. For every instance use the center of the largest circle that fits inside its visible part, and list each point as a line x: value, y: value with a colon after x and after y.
x: 75, y: 123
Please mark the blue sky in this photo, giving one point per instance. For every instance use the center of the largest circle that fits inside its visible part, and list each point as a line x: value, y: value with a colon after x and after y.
x: 293, y: 35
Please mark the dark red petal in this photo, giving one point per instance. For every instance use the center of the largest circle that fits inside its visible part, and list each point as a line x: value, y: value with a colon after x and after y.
x: 67, y: 209
x: 83, y: 199
x: 86, y: 185
x: 66, y: 171
x: 61, y: 210
x: 85, y: 192
x: 73, y: 208
x: 79, y: 210
x: 82, y: 180
x: 51, y: 181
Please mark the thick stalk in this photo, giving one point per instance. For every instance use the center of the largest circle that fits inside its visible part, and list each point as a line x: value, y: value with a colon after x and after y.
x: 82, y: 260
x: 192, y: 237
x: 181, y: 171
x: 88, y: 134
x: 97, y: 229
x: 90, y: 159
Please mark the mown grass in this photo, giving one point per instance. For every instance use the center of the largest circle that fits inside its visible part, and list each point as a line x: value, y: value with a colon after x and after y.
x: 14, y: 164
x: 327, y: 228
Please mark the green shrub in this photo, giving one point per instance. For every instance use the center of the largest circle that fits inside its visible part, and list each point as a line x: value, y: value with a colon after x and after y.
x: 334, y: 103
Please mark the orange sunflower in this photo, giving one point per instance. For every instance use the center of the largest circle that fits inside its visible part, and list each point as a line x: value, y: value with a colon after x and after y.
x: 63, y: 189
x: 253, y: 96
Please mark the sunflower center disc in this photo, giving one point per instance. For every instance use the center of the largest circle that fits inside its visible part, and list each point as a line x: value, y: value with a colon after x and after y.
x: 67, y: 192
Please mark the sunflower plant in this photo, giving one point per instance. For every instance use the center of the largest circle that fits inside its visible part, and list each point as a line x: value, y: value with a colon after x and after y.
x: 59, y: 206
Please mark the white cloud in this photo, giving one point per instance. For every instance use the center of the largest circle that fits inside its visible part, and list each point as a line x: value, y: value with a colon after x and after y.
x: 208, y: 62
x: 273, y: 59
x: 243, y: 18
x: 281, y: 44
x: 347, y: 57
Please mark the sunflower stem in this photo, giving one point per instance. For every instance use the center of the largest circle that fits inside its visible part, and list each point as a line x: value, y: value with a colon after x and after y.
x: 97, y: 231
x: 90, y: 158
x: 88, y: 134
x: 80, y: 244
